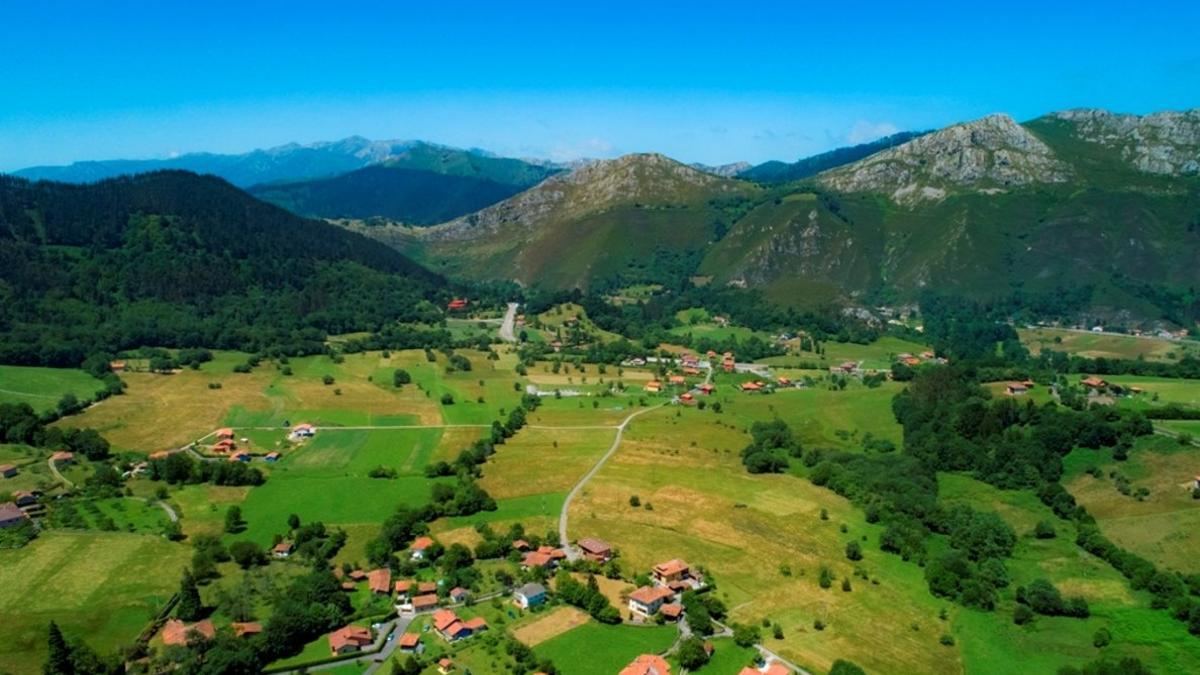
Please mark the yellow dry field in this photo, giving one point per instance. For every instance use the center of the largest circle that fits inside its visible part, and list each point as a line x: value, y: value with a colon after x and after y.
x: 452, y: 442
x: 763, y: 540
x: 539, y: 461
x: 549, y: 624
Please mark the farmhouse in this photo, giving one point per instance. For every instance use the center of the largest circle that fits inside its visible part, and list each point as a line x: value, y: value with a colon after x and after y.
x: 686, y: 398
x: 24, y: 498
x: 529, y: 595
x: 419, y: 547
x: 677, y: 380
x: 303, y: 431
x: 520, y: 545
x: 647, y: 664
x: 545, y: 557
x: 402, y: 589
x: 595, y: 549
x: 1016, y: 389
x: 8, y: 470
x: 224, y: 445
x: 225, y: 433
x: 707, y: 388
x: 653, y: 386
x: 424, y: 603
x: 177, y: 633
x: 752, y: 386
x: 240, y: 456
x: 272, y: 456
x: 647, y: 600
x: 427, y: 587
x: 349, y: 639
x: 62, y: 457
x: 1093, y: 383
x: 457, y: 304
x: 411, y: 643
x: 675, y: 574
x: 282, y: 550
x: 11, y: 515
x: 458, y: 594
x: 380, y: 581
x: 910, y: 361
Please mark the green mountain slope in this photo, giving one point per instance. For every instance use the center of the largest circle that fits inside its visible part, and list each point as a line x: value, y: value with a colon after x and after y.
x: 784, y: 172
x: 608, y: 219
x: 422, y: 185
x: 176, y: 259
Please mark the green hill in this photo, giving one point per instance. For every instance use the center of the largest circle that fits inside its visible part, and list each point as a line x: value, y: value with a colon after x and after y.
x: 784, y: 172
x: 176, y: 259
x: 423, y: 185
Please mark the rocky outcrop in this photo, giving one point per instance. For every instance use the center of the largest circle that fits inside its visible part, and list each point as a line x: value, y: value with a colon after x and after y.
x: 1165, y: 143
x: 723, y: 170
x: 988, y: 155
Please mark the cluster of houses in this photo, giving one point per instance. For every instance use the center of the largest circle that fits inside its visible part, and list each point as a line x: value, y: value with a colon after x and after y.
x: 176, y: 633
x: 543, y: 557
x: 669, y: 580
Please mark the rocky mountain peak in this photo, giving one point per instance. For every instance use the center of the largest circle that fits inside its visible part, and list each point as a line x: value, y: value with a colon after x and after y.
x: 990, y: 154
x: 1166, y: 143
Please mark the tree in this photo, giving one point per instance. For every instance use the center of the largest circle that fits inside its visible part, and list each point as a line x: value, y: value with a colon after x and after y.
x: 401, y: 378
x: 293, y: 522
x: 843, y: 667
x: 746, y: 635
x: 692, y: 654
x: 853, y: 550
x: 233, y: 520
x: 189, y: 607
x: 1044, y: 530
x: 58, y: 661
x: 247, y: 554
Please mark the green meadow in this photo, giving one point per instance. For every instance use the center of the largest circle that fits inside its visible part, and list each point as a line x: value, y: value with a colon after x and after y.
x: 597, y: 649
x: 42, y: 388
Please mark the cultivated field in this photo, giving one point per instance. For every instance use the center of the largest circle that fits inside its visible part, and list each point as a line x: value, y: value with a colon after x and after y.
x: 1107, y: 345
x: 597, y: 649
x: 101, y: 587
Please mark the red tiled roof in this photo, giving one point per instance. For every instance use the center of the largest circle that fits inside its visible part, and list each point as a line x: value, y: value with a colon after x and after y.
x: 777, y: 668
x: 476, y: 624
x: 380, y: 580
x: 176, y: 632
x: 282, y: 547
x: 424, y: 601
x: 421, y: 543
x: 242, y: 629
x: 670, y: 567
x: 536, y: 559
x: 427, y: 587
x: 409, y: 640
x: 648, y: 595
x: 673, y: 611
x: 594, y: 546
x: 443, y: 619
x: 403, y: 586
x: 520, y: 544
x: 62, y: 456
x: 349, y: 635
x: 647, y: 664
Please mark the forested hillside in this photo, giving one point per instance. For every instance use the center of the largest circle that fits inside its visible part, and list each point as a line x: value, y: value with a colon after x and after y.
x: 176, y: 259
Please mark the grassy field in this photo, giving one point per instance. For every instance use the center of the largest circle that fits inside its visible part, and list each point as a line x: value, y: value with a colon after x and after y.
x: 101, y: 587
x: 878, y: 355
x: 1159, y: 390
x: 42, y: 388
x: 597, y: 649
x: 1107, y: 345
x: 1162, y: 526
x: 549, y: 625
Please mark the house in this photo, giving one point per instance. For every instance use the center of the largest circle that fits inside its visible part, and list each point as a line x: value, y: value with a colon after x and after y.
x: 447, y: 623
x: 647, y: 600
x: 777, y: 668
x: 910, y: 361
x: 677, y: 380
x: 674, y: 570
x: 458, y: 594
x: 537, y: 559
x: 11, y: 515
x: 556, y: 345
x: 1016, y: 389
x: 691, y: 370
x: 1093, y: 383
x: 402, y: 589
x: 349, y: 639
x: 752, y: 386
x: 711, y: 354
x: 457, y: 304
x: 8, y: 470
x: 419, y: 547
x: 784, y: 382
x: 225, y: 433
x: 116, y: 366
x: 653, y: 386
x: 445, y: 666
x: 687, y: 398
x: 272, y: 456
x: 303, y: 431
x: 242, y: 629
x: 427, y: 587
x: 927, y: 355
x: 647, y: 664
x: 380, y: 581
x: 223, y: 446
x: 595, y: 549
x: 62, y: 457
x: 24, y: 498
x: 357, y: 575
x: 240, y: 456
x: 707, y: 388
x: 282, y: 550
x: 521, y: 545
x: 411, y: 643
x: 529, y: 595
x: 348, y: 586
x: 476, y: 625
x: 849, y: 367
x: 176, y: 633
x: 671, y: 612
x: 424, y: 603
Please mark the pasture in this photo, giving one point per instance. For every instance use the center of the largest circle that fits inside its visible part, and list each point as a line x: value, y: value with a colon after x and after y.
x: 1162, y: 526
x: 42, y: 388
x: 101, y: 587
x: 598, y: 649
x: 1107, y: 345
x: 550, y: 624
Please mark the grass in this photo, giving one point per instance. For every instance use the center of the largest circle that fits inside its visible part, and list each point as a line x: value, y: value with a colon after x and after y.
x: 728, y: 658
x: 1160, y: 527
x: 101, y: 587
x: 597, y: 649
x: 878, y: 355
x: 540, y: 461
x: 1107, y: 345
x: 42, y: 388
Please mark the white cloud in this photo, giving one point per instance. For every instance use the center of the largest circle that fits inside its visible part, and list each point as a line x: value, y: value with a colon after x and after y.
x: 865, y: 132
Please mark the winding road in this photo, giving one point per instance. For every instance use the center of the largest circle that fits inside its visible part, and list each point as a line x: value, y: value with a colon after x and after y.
x: 572, y: 554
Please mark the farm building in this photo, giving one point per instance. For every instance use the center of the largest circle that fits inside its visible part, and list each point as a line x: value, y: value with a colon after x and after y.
x: 677, y: 380
x: 1016, y: 389
x: 240, y: 456
x: 402, y: 589
x: 653, y: 386
x: 176, y: 633
x: 349, y: 639
x: 647, y: 600
x: 424, y: 603
x: 445, y: 666
x: 246, y: 628
x: 595, y: 549
x: 529, y: 595
x: 419, y: 547
x: 11, y: 515
x: 282, y: 550
x: 752, y: 386
x: 62, y: 457
x: 225, y: 433
x: 520, y: 545
x: 457, y: 304
x: 380, y: 581
x: 24, y: 498
x: 1093, y: 383
x: 458, y: 594
x: 427, y: 587
x: 647, y: 664
x: 8, y: 470
x: 671, y: 612
x: 272, y: 456
x: 707, y: 388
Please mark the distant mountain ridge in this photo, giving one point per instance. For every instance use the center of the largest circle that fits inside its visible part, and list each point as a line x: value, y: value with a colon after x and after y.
x: 783, y: 172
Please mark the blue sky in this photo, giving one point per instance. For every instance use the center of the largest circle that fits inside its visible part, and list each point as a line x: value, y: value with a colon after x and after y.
x: 711, y: 82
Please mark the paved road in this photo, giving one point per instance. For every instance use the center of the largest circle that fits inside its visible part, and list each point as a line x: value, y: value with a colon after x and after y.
x: 572, y: 554
x: 506, y: 326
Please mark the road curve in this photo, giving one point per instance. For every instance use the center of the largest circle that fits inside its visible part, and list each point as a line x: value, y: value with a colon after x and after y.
x: 506, y: 326
x: 572, y: 554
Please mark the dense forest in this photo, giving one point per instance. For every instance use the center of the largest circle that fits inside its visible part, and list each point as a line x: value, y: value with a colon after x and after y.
x: 179, y: 260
